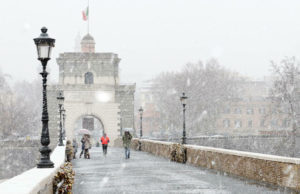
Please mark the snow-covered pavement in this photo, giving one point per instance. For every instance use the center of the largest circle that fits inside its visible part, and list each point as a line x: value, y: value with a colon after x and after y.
x: 145, y: 173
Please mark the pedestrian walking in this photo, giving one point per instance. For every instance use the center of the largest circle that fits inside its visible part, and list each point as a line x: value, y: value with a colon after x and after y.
x: 126, y: 143
x: 104, y: 141
x: 69, y: 151
x: 87, y: 146
x: 83, y: 139
x: 75, y: 147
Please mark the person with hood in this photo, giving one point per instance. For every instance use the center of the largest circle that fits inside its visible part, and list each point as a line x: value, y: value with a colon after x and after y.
x: 69, y: 151
x: 87, y: 146
x: 104, y: 141
x: 126, y: 143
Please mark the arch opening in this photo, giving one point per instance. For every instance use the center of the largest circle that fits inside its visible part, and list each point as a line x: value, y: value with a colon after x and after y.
x: 91, y: 123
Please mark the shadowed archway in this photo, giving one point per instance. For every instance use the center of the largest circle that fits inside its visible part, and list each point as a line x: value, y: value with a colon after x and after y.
x: 91, y: 123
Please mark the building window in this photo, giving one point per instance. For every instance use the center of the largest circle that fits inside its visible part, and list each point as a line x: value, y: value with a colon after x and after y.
x: 250, y: 124
x: 237, y: 124
x: 250, y: 111
x: 262, y: 123
x: 88, y: 78
x: 274, y: 123
x: 262, y: 110
x: 226, y: 123
x: 237, y: 111
x: 286, y: 123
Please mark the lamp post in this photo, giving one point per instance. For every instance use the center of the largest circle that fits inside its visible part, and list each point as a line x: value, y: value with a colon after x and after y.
x: 60, y: 99
x: 121, y: 127
x: 64, y: 120
x: 44, y: 45
x: 183, y: 102
x: 141, y: 122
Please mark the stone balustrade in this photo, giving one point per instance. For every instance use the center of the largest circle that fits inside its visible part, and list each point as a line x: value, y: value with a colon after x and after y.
x: 270, y: 169
x: 35, y: 180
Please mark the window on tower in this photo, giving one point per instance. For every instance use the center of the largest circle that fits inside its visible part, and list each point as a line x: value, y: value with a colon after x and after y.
x: 88, y: 78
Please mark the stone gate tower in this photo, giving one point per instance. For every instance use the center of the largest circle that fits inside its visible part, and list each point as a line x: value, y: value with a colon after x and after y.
x: 90, y: 82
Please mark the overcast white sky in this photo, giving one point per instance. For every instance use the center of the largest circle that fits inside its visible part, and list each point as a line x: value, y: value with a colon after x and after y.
x: 152, y: 36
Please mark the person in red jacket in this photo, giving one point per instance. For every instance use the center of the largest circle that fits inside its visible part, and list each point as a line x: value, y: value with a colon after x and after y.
x: 104, y: 141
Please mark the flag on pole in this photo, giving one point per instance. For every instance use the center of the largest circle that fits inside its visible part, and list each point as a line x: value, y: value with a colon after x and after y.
x: 85, y: 14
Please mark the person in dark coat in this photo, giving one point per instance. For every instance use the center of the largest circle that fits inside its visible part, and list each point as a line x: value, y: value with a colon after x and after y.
x: 126, y: 143
x: 83, y: 139
x: 87, y: 146
x: 69, y: 151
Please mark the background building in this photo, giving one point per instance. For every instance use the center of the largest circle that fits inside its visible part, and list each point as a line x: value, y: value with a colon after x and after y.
x: 253, y: 113
x: 150, y: 114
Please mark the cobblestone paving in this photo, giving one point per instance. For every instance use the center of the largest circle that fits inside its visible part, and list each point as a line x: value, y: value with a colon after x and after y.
x: 145, y: 173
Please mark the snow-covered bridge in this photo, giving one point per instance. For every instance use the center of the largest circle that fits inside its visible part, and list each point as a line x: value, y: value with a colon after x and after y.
x: 145, y: 173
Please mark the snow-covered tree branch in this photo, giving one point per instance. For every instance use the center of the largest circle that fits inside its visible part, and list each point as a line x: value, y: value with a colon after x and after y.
x: 207, y: 86
x: 285, y: 90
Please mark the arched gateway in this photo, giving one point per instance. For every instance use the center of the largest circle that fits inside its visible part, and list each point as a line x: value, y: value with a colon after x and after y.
x: 90, y: 83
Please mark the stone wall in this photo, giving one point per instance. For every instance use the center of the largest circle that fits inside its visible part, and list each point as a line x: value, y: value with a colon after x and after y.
x: 275, y: 170
x: 158, y: 148
x: 271, y: 169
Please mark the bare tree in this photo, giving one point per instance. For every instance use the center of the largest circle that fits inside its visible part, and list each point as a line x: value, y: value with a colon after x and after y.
x: 5, y: 102
x: 20, y: 108
x: 207, y: 86
x: 285, y: 91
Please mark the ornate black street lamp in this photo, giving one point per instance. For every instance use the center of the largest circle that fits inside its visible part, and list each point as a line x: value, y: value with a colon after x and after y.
x: 183, y: 102
x: 44, y: 45
x: 141, y: 122
x: 64, y: 120
x: 60, y: 99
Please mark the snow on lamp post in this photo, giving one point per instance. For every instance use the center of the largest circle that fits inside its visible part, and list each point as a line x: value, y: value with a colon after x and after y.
x: 183, y: 99
x: 44, y: 45
x: 60, y: 99
x: 141, y: 122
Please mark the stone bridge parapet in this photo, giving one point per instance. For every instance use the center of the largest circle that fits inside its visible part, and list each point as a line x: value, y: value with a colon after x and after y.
x: 270, y: 169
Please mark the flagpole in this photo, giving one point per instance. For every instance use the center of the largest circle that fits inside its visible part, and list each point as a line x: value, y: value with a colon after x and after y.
x: 88, y: 24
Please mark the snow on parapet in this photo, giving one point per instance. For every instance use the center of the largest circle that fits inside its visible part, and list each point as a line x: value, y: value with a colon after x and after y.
x: 35, y: 179
x: 247, y: 154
